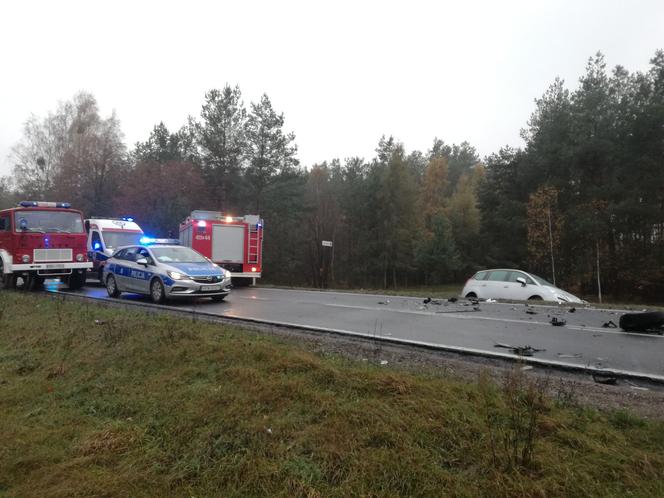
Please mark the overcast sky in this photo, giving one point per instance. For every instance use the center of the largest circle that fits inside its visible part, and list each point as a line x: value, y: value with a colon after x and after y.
x: 343, y: 73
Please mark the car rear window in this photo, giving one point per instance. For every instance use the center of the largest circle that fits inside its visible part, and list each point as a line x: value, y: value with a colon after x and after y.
x: 480, y: 275
x: 498, y: 276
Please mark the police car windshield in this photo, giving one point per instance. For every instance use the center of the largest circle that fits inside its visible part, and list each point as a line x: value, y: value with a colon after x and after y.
x: 34, y: 220
x: 119, y: 239
x: 177, y: 255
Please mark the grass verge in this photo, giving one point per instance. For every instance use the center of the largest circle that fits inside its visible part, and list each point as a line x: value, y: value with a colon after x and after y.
x: 103, y: 402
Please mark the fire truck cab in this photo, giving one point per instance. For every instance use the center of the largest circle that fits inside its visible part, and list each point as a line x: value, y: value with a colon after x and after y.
x: 105, y: 235
x: 233, y: 242
x: 40, y: 240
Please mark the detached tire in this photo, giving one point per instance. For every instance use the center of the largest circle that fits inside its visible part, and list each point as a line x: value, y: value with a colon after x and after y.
x: 641, y: 322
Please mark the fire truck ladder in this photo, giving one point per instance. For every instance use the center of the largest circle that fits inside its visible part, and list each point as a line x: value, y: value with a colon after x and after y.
x: 254, y: 244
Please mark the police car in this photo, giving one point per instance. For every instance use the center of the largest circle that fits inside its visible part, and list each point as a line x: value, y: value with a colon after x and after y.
x: 163, y: 270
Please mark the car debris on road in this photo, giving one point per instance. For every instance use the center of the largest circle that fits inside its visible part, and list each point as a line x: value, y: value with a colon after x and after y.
x: 607, y: 379
x: 558, y: 322
x: 525, y: 350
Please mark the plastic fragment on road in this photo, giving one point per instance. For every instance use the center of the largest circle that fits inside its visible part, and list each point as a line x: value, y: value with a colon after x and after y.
x: 636, y: 386
x: 525, y: 350
x: 428, y: 300
x: 387, y: 301
x: 452, y: 300
x: 565, y: 355
x: 490, y: 300
x: 557, y: 322
x: 531, y: 311
x: 571, y: 310
x: 607, y: 379
x: 609, y: 325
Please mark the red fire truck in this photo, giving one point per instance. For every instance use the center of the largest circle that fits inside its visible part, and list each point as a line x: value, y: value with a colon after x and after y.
x: 41, y: 240
x: 234, y: 243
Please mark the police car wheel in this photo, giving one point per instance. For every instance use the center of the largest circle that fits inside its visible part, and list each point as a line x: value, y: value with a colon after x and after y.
x: 157, y: 292
x: 112, y: 286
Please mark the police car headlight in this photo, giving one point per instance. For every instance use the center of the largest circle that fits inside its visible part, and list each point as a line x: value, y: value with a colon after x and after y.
x: 176, y: 275
x: 25, y: 258
x: 227, y: 274
x: 79, y: 257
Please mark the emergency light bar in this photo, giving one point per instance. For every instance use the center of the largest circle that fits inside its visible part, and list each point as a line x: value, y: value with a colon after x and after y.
x: 150, y: 241
x: 26, y: 204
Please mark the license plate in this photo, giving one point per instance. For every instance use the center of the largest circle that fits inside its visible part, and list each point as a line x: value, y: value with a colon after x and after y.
x: 211, y: 288
x: 54, y: 267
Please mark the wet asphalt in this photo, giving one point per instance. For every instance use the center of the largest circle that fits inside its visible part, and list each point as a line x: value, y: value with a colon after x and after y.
x: 487, y: 328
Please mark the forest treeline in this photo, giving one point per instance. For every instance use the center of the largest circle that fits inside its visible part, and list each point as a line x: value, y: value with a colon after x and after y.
x: 582, y: 202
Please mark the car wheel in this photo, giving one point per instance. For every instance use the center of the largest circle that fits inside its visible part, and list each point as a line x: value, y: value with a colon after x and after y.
x: 634, y: 322
x: 471, y: 294
x: 218, y: 299
x: 535, y: 298
x: 112, y: 286
x: 157, y: 292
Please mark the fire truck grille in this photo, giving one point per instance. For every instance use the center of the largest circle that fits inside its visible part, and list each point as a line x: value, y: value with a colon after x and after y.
x: 43, y: 255
x: 207, y: 280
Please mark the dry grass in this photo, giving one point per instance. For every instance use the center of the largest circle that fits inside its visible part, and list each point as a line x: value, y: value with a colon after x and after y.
x: 144, y: 405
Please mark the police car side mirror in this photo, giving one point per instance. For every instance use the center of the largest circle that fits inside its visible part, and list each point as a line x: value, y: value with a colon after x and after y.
x: 142, y: 261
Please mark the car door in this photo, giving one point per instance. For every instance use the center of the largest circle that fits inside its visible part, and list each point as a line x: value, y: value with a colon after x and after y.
x: 142, y: 273
x: 118, y: 268
x: 516, y: 290
x: 495, y: 285
x: 135, y: 273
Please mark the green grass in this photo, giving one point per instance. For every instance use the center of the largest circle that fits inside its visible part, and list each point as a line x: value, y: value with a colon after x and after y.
x: 144, y: 405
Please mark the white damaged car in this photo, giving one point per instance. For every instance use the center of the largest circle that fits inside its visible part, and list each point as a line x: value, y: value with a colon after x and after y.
x: 514, y: 285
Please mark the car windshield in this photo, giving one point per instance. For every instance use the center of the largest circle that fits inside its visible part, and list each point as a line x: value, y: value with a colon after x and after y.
x: 119, y: 239
x: 541, y: 281
x: 48, y: 221
x: 177, y: 255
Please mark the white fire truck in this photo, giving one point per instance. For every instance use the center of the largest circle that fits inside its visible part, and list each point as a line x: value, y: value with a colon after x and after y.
x: 105, y: 235
x: 233, y: 242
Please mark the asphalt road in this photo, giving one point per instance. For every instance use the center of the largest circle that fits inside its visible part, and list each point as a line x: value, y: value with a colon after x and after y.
x: 582, y: 342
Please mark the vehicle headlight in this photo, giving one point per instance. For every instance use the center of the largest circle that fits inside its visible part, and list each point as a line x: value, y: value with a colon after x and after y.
x: 176, y: 275
x: 25, y: 258
x: 79, y: 257
x: 227, y: 274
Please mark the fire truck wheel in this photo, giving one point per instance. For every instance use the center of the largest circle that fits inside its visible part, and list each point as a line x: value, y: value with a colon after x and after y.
x: 7, y: 281
x: 157, y: 292
x: 76, y: 280
x: 112, y: 287
x: 34, y: 283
